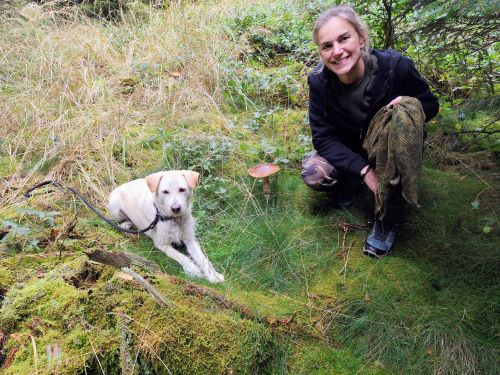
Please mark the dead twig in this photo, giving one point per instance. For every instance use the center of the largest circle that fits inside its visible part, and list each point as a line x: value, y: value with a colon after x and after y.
x: 466, y: 166
x: 344, y: 252
x: 477, y: 132
x: 124, y: 262
x: 346, y: 228
x: 35, y: 354
x: 155, y: 293
x: 221, y: 301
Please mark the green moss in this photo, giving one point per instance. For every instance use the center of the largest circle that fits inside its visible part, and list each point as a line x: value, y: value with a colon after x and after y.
x: 311, y: 357
x: 5, y: 278
x: 190, y: 341
x: 82, y: 310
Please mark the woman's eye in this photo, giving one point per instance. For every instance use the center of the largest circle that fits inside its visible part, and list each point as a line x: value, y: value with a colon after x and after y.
x: 182, y: 190
x: 165, y: 191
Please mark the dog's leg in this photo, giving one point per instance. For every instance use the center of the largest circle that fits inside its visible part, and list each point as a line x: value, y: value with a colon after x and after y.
x: 124, y: 221
x: 201, y: 260
x: 117, y: 213
x: 187, y: 264
x: 126, y: 225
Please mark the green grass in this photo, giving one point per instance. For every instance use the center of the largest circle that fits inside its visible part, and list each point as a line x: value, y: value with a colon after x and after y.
x: 429, y: 307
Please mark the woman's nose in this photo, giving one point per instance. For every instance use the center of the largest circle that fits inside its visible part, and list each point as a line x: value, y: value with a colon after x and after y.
x: 337, y: 50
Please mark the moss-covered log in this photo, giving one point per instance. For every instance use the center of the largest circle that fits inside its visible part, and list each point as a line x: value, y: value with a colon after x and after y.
x: 97, y: 321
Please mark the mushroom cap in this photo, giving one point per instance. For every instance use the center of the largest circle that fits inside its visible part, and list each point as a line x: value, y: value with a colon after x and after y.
x: 263, y: 170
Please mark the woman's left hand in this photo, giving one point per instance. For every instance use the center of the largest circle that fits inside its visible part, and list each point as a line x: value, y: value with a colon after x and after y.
x: 395, y: 101
x: 370, y: 180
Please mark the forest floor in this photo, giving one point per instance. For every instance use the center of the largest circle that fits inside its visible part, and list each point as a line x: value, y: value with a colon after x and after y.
x: 95, y: 105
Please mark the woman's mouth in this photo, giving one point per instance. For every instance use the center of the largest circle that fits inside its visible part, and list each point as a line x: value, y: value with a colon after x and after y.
x: 341, y: 61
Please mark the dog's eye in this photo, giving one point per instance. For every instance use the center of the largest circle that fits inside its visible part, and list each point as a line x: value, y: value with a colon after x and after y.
x: 165, y: 191
x: 182, y: 190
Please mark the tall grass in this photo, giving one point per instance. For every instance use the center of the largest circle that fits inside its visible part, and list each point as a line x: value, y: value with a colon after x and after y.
x: 72, y: 86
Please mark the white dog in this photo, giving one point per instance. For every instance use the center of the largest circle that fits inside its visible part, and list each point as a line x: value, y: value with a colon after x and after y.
x: 168, y: 193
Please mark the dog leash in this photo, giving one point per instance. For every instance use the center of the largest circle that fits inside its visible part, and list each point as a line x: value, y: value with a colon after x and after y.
x: 157, y: 218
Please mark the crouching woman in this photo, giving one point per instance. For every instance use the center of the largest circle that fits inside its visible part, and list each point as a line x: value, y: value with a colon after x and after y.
x: 350, y: 89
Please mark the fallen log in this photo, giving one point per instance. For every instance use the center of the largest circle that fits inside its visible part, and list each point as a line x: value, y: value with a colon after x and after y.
x: 124, y: 262
x: 221, y: 301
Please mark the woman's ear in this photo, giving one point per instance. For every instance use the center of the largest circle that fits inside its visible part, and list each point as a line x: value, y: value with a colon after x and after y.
x: 153, y: 180
x: 362, y: 41
x: 192, y: 178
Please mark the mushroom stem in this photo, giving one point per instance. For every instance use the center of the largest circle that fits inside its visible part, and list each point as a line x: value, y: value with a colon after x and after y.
x: 266, y: 187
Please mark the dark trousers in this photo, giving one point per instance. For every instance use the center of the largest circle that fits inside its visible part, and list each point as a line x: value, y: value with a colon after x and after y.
x: 320, y: 175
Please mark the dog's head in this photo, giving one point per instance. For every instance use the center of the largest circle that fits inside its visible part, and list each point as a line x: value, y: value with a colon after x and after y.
x: 172, y: 191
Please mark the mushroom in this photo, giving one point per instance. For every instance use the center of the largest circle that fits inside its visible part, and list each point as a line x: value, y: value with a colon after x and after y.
x: 263, y: 171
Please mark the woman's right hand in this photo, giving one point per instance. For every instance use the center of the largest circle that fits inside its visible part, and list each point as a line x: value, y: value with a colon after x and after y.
x: 370, y: 180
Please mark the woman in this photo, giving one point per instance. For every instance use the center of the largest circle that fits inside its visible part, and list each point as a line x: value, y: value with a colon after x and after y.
x: 349, y: 86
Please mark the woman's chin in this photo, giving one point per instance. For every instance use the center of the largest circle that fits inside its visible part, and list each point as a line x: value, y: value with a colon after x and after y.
x: 340, y: 70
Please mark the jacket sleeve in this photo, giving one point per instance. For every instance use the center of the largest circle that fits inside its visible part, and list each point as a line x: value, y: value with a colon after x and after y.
x: 412, y: 84
x: 324, y: 135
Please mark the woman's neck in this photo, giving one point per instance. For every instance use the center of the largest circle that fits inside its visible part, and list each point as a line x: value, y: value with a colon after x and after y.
x: 355, y: 74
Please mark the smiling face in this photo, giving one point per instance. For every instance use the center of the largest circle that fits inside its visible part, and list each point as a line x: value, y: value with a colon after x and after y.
x: 340, y: 48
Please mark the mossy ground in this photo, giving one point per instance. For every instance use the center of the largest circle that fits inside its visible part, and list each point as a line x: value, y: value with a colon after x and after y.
x: 90, y: 314
x: 432, y: 300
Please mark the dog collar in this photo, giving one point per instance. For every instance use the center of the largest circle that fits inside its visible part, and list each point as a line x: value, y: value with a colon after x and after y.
x: 161, y: 217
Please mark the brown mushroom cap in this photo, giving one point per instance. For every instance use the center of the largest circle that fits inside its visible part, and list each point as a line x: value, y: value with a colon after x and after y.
x: 263, y: 170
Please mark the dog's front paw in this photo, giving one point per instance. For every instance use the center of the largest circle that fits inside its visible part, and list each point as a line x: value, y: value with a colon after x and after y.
x: 215, y: 277
x: 192, y: 270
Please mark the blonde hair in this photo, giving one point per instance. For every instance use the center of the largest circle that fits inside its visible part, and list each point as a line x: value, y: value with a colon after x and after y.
x: 346, y: 12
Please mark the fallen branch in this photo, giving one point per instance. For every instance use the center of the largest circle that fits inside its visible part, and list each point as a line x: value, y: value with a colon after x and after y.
x: 221, y: 301
x: 124, y: 261
x: 158, y: 297
x: 473, y: 132
x: 118, y: 260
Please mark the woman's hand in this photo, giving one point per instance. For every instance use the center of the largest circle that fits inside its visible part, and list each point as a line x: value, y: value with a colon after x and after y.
x: 395, y: 101
x: 370, y: 180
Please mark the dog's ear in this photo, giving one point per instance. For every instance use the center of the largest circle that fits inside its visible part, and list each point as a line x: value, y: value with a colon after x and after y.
x: 153, y: 180
x: 192, y: 178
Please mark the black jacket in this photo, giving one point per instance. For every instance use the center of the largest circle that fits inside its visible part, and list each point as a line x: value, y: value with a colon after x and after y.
x: 341, y: 145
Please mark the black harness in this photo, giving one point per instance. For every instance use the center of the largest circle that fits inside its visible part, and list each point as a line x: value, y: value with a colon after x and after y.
x: 158, y: 217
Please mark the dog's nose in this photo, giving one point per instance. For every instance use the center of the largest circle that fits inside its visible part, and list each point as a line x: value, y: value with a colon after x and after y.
x: 176, y: 208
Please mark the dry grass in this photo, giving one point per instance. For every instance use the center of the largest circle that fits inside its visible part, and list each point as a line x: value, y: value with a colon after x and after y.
x: 73, y: 87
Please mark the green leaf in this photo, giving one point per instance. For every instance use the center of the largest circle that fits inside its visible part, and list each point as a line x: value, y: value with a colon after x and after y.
x: 475, y: 204
x: 16, y: 229
x: 487, y: 230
